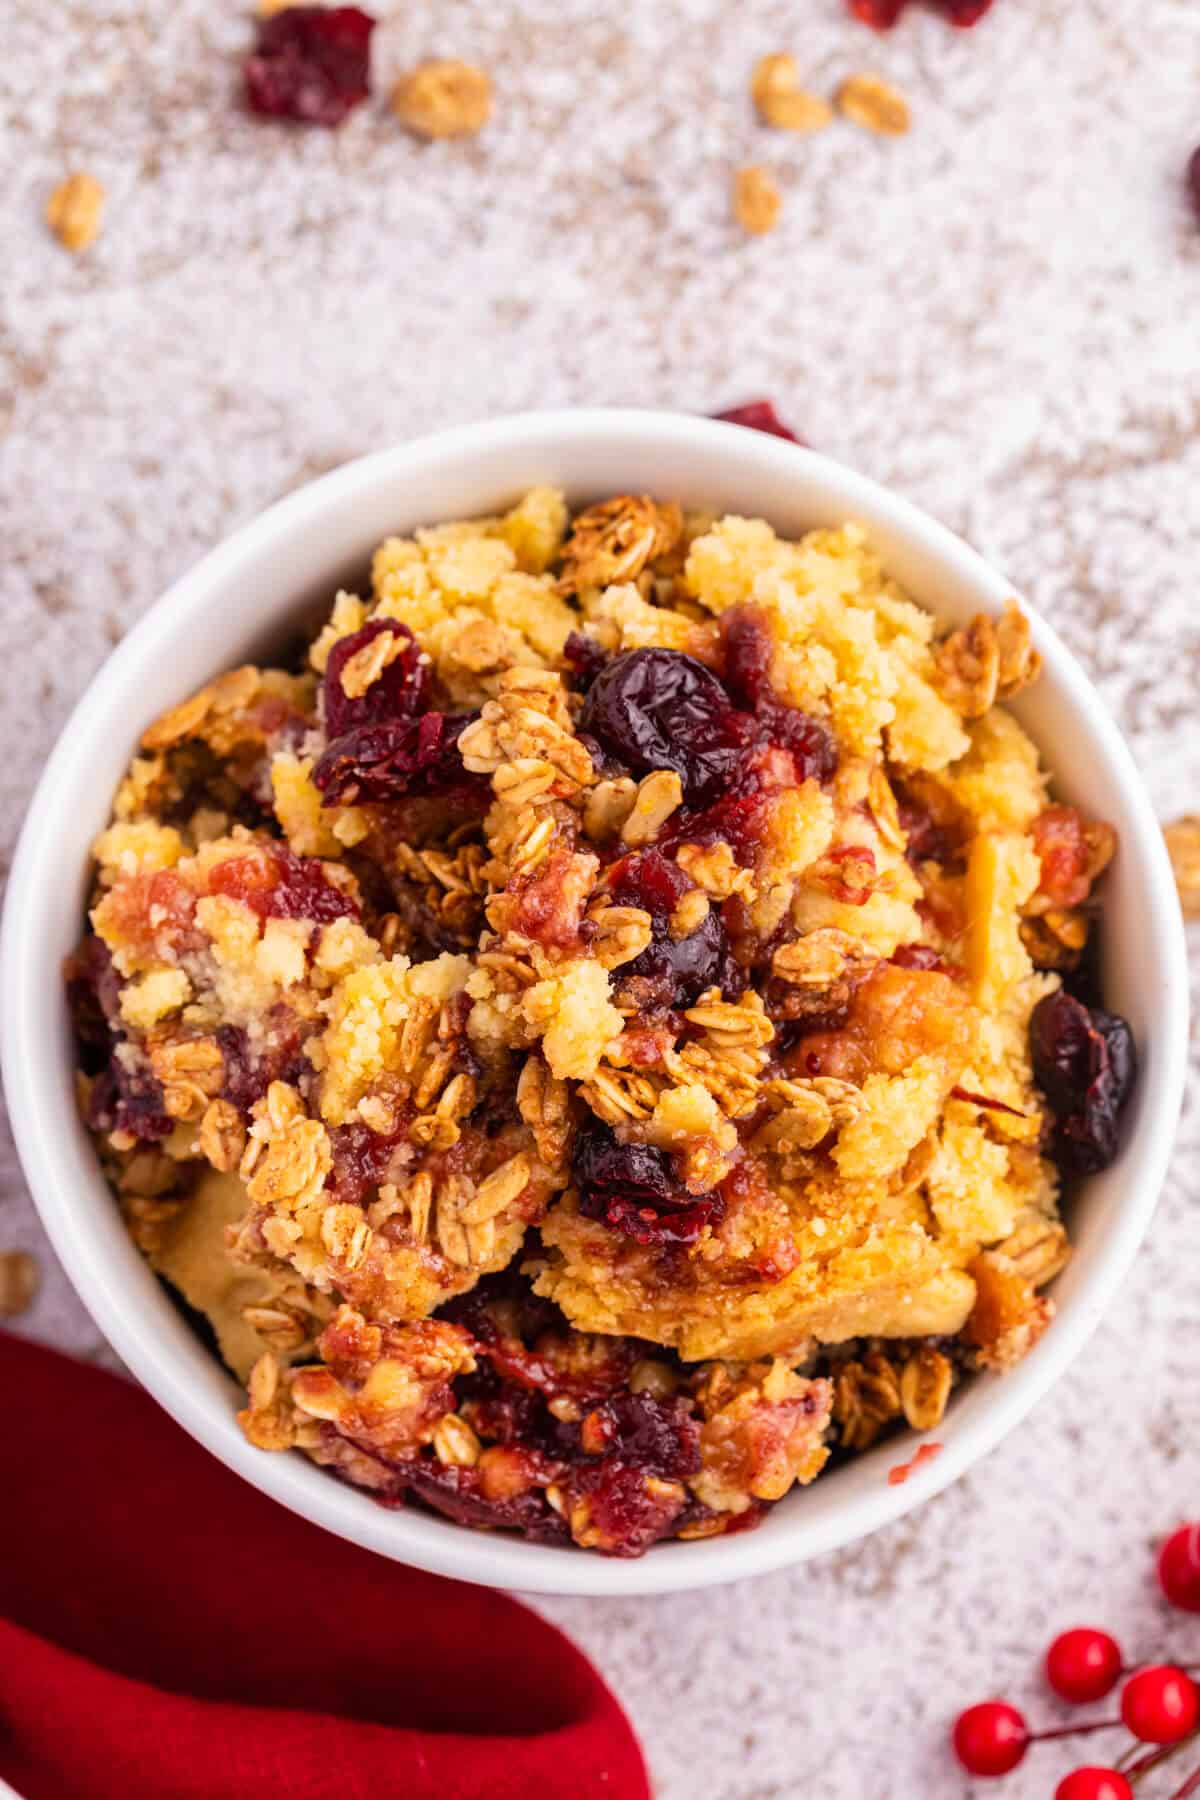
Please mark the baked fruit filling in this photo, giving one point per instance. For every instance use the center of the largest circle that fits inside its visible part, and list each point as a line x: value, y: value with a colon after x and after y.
x: 598, y: 1037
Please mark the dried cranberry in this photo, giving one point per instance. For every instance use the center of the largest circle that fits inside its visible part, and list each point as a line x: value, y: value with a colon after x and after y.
x: 739, y: 821
x: 919, y: 956
x: 660, y: 709
x: 927, y: 840
x: 277, y: 1055
x: 124, y: 1099
x: 749, y: 647
x: 759, y: 415
x: 883, y: 14
x: 665, y: 1231
x: 633, y: 1189
x: 281, y: 885
x: 963, y: 13
x: 660, y: 1436
x: 457, y: 1493
x: 398, y: 691
x: 399, y: 758
x: 310, y: 63
x: 1192, y: 183
x: 361, y: 1158
x: 626, y: 1515
x: 1085, y: 1063
x: 93, y: 997
x: 603, y: 1165
x: 679, y: 969
x: 584, y: 658
x: 1065, y: 848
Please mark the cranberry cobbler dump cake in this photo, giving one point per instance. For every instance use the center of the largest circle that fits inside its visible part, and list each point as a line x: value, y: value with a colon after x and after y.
x: 597, y: 1038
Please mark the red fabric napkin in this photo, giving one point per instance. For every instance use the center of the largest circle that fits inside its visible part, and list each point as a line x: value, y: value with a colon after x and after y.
x: 168, y: 1633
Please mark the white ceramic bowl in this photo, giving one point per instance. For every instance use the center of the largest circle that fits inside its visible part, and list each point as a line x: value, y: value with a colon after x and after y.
x: 240, y: 599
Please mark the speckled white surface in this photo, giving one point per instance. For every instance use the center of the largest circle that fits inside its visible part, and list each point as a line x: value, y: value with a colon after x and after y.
x: 997, y: 315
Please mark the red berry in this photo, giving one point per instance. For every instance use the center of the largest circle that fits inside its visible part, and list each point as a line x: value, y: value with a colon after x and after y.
x: 1093, y: 1784
x: 1084, y: 1664
x: 990, y: 1739
x: 1179, y: 1558
x: 1160, y: 1704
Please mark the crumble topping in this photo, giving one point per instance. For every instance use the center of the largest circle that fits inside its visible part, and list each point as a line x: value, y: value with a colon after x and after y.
x: 589, y: 1036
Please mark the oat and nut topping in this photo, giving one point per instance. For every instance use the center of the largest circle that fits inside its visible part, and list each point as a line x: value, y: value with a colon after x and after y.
x: 586, y: 1035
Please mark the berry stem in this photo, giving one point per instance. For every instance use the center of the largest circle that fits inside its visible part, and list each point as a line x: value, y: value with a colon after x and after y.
x: 1190, y: 1786
x: 1144, y: 1765
x: 1066, y: 1731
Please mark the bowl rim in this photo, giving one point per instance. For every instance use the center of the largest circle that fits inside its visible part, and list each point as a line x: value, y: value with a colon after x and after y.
x: 495, y: 1559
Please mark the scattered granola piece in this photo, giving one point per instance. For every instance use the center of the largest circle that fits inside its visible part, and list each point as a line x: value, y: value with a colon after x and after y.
x: 756, y: 199
x: 781, y: 101
x: 18, y: 1282
x: 873, y: 103
x: 74, y: 210
x: 443, y: 99
x: 1183, y: 845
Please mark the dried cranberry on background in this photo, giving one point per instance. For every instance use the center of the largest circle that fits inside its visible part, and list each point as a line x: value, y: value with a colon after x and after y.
x: 883, y: 14
x: 310, y: 63
x: 1085, y: 1063
x: 1192, y: 180
x: 634, y: 1190
x: 759, y: 415
x: 963, y: 13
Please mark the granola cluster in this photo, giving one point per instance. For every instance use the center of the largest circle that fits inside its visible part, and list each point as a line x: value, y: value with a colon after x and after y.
x: 570, y: 1035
